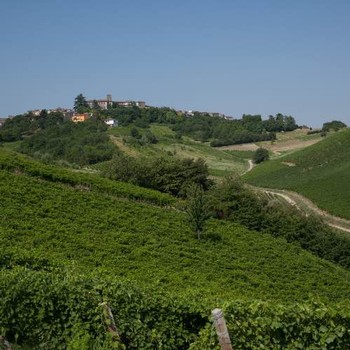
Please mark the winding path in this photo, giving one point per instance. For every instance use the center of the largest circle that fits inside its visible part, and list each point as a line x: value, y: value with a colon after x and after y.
x: 304, y: 204
x: 308, y: 207
x: 250, y: 166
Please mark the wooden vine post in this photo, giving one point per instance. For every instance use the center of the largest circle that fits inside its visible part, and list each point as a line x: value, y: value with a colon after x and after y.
x: 221, y: 329
x: 110, y: 323
x: 5, y: 344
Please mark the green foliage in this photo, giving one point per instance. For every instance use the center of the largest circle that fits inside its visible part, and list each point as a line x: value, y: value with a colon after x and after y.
x: 260, y: 155
x: 203, y: 126
x: 220, y: 162
x: 25, y: 125
x: 94, y: 225
x: 320, y: 172
x: 19, y: 164
x: 269, y: 326
x: 230, y: 200
x: 333, y: 125
x: 134, y: 133
x: 280, y: 123
x: 251, y: 128
x: 196, y: 208
x: 141, y: 117
x: 72, y: 240
x: 78, y: 143
x: 137, y: 138
x: 171, y: 175
x: 61, y: 311
x: 80, y: 104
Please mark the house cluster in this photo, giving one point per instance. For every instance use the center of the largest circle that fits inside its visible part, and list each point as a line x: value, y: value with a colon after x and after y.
x: 190, y: 113
x: 70, y: 114
x: 108, y: 102
x: 82, y: 117
x: 67, y: 113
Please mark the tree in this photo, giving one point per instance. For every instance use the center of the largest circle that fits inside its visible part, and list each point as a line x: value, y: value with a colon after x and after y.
x: 333, y: 125
x: 135, y: 133
x: 80, y: 104
x: 261, y: 154
x: 196, y: 209
x: 289, y: 123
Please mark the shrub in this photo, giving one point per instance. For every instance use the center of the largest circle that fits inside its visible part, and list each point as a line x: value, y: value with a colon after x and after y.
x: 170, y: 175
x: 261, y: 154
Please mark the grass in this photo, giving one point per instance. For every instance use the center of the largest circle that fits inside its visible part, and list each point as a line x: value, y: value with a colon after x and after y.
x: 220, y: 162
x: 319, y: 172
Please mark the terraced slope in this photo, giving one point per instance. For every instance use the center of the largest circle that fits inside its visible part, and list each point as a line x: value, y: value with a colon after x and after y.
x: 320, y: 172
x: 46, y: 222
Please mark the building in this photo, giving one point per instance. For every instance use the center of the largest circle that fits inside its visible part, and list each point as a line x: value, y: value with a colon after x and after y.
x: 108, y: 102
x: 111, y: 122
x: 80, y: 117
x: 66, y: 112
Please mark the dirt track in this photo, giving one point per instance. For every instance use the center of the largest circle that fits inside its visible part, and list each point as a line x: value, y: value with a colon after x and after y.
x: 308, y: 207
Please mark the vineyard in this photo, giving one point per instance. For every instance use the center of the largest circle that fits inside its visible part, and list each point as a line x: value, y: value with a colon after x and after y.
x: 71, y: 240
x: 319, y: 172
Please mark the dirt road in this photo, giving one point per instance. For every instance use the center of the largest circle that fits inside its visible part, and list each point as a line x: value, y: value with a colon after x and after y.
x: 250, y: 166
x: 308, y: 207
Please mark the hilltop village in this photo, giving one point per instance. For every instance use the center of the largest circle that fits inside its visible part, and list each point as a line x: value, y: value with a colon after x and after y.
x: 103, y: 104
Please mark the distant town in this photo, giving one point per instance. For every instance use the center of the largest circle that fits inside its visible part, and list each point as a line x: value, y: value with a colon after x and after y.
x: 104, y: 104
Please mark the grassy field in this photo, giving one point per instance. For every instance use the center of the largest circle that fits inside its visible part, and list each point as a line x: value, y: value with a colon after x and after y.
x: 220, y: 162
x: 285, y: 143
x: 319, y: 172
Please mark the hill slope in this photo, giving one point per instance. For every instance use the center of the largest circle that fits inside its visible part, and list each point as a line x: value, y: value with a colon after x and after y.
x: 319, y: 172
x: 46, y: 220
x: 72, y: 240
x: 219, y: 162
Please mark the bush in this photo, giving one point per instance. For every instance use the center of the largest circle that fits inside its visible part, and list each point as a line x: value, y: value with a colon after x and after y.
x: 81, y: 143
x: 169, y: 175
x: 261, y: 154
x: 333, y: 125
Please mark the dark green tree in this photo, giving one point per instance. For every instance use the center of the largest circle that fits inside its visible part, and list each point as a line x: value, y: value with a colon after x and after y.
x: 261, y: 154
x: 80, y: 104
x: 135, y: 133
x: 196, y: 209
x: 333, y: 125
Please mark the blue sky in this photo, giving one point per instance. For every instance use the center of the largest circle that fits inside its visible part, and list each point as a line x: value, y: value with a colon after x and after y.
x: 228, y: 56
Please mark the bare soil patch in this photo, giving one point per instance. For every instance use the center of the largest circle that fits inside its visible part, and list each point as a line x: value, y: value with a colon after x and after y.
x: 290, y: 164
x: 120, y: 144
x: 289, y: 145
x: 242, y: 147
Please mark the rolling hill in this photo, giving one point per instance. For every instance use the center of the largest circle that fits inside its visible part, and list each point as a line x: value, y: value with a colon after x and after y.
x: 319, y: 172
x: 72, y: 223
x: 70, y: 239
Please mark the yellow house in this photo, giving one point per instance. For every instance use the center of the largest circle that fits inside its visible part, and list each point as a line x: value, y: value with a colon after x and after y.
x: 80, y: 117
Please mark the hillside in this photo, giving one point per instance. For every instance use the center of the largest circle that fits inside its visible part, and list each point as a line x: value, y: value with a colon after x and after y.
x: 76, y: 239
x: 76, y: 224
x: 319, y: 172
x: 219, y: 162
